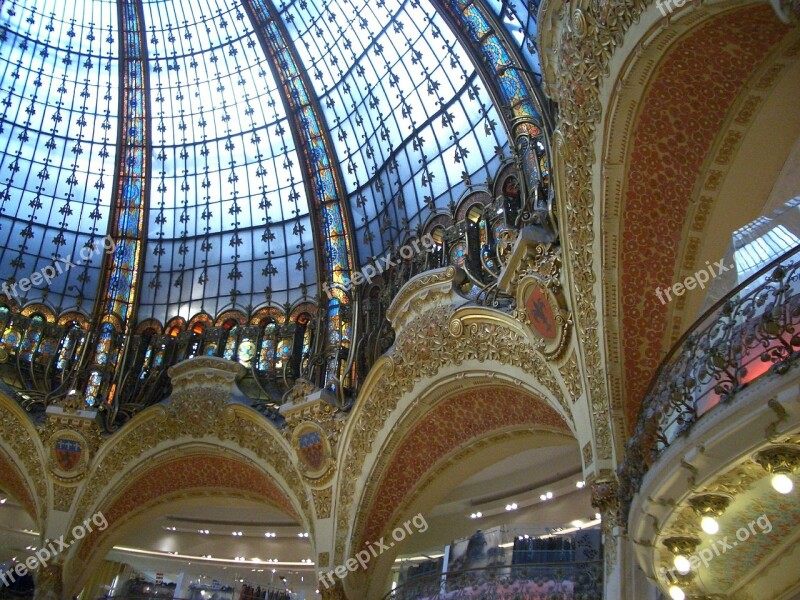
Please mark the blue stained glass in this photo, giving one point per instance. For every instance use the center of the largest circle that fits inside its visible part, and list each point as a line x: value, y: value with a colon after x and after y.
x: 59, y: 99
x: 408, y: 115
x: 381, y: 93
x: 520, y: 20
x: 229, y: 219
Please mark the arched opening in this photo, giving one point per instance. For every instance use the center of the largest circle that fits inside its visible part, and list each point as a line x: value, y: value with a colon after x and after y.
x: 195, y: 514
x: 489, y: 458
x: 211, y: 542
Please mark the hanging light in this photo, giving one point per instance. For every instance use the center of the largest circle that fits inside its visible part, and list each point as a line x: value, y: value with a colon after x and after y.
x: 681, y: 547
x: 676, y: 593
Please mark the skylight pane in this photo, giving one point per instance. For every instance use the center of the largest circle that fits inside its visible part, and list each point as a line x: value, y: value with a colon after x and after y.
x: 227, y: 179
x: 408, y: 114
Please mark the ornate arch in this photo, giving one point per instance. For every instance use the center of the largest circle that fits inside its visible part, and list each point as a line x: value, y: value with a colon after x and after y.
x: 435, y: 338
x: 23, y: 471
x: 452, y: 429
x: 199, y: 411
x: 182, y: 472
x: 687, y: 100
x: 580, y: 45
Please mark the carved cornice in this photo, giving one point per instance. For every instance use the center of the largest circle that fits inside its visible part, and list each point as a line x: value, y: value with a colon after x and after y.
x: 205, y: 370
x: 423, y: 287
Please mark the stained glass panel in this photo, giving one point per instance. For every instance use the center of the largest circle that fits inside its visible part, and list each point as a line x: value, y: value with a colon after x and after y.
x: 59, y: 94
x: 409, y: 118
x: 520, y: 19
x: 229, y: 215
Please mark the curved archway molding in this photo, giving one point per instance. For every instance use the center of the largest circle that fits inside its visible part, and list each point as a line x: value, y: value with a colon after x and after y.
x: 461, y: 431
x: 586, y: 50
x: 23, y: 471
x: 663, y: 210
x: 438, y: 342
x: 203, y: 409
x: 457, y: 466
x: 183, y: 473
x: 588, y: 53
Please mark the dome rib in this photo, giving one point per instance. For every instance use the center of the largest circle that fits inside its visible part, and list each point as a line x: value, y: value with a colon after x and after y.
x: 335, y: 248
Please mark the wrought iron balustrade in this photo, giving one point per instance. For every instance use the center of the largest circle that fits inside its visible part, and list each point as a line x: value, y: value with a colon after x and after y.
x: 752, y: 332
x: 543, y: 581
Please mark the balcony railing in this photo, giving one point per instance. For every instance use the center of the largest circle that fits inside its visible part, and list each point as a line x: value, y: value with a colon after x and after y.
x: 542, y: 581
x: 750, y: 333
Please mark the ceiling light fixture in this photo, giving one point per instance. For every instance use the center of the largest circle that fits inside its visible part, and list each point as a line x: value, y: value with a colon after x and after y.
x: 676, y: 593
x: 708, y: 507
x: 512, y: 506
x: 781, y: 461
x: 681, y: 547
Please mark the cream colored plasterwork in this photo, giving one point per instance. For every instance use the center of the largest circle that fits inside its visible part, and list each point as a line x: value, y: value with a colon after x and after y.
x: 198, y: 408
x: 20, y: 436
x: 576, y: 54
x: 429, y: 341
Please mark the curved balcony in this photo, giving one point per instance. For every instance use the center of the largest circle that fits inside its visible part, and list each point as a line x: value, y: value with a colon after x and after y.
x: 751, y: 333
x: 541, y: 581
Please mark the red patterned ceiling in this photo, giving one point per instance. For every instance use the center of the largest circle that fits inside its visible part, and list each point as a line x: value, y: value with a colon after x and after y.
x: 682, y: 111
x: 451, y: 425
x: 12, y: 482
x: 191, y: 473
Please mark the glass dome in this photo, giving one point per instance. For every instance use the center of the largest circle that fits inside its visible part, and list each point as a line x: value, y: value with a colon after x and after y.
x: 243, y: 103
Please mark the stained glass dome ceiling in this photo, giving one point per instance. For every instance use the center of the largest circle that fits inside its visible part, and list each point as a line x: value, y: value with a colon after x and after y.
x: 229, y: 209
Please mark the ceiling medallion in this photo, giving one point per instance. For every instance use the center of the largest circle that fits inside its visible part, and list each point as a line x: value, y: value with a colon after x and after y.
x: 68, y: 455
x: 315, y: 459
x: 543, y: 310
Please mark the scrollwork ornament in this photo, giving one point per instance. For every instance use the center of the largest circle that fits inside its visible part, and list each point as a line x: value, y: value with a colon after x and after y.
x: 425, y: 345
x: 579, y: 25
x: 456, y: 327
